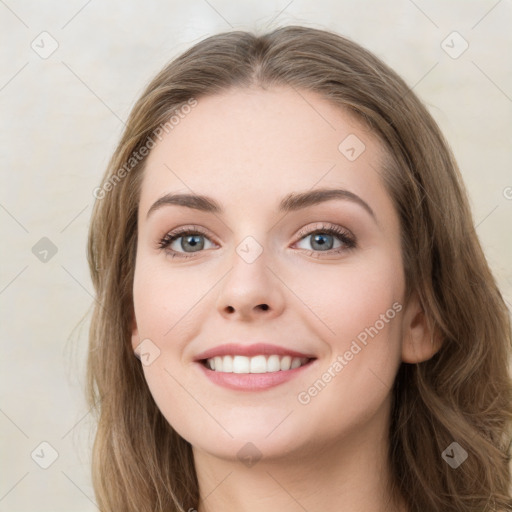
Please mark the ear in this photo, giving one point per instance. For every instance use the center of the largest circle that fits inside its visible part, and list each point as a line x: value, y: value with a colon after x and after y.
x: 419, y: 342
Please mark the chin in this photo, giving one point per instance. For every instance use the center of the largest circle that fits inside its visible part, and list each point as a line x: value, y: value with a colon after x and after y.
x: 264, y: 440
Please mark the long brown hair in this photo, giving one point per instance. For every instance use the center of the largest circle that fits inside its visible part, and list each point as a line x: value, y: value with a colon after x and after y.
x: 463, y: 394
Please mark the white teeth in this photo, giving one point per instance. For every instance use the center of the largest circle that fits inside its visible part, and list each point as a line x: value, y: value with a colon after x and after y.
x: 273, y: 364
x: 295, y: 363
x: 286, y: 363
x: 227, y: 364
x: 240, y: 364
x: 256, y: 364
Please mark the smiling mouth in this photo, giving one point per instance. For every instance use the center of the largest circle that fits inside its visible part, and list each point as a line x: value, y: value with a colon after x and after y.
x: 256, y: 364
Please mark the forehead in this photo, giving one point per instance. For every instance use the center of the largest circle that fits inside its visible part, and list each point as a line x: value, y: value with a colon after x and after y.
x: 253, y: 145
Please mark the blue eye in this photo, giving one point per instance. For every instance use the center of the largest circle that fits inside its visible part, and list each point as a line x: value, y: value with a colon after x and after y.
x: 323, y: 238
x: 191, y: 239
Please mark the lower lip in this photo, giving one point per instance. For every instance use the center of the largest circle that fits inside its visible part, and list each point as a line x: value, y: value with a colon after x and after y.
x: 253, y: 381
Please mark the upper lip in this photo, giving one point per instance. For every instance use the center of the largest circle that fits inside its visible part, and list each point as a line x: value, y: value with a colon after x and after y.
x: 255, y: 349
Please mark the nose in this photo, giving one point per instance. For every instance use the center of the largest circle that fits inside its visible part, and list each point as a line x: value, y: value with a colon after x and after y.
x: 250, y: 290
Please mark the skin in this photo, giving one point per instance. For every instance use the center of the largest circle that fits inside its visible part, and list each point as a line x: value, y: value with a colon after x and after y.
x: 249, y: 148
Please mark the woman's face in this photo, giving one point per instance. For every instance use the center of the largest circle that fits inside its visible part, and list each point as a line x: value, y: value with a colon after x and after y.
x: 263, y: 282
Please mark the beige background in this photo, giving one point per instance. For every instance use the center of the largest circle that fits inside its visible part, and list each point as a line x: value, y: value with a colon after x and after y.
x: 61, y: 117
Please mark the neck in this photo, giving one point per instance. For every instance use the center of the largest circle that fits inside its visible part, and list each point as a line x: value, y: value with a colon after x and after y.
x: 351, y: 474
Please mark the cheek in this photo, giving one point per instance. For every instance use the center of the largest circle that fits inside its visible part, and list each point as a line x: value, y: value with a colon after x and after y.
x: 364, y: 299
x: 363, y: 310
x: 348, y: 300
x: 164, y: 301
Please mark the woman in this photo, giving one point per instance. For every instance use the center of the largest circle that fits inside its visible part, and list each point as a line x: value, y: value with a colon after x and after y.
x: 283, y: 240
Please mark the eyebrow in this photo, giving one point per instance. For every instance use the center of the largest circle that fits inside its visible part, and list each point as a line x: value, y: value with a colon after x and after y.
x: 291, y: 202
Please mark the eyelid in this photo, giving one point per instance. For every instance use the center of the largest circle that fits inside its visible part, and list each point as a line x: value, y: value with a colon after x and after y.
x: 323, y: 227
x: 181, y: 231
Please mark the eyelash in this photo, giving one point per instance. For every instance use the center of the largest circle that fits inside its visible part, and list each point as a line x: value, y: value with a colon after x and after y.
x: 343, y: 235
